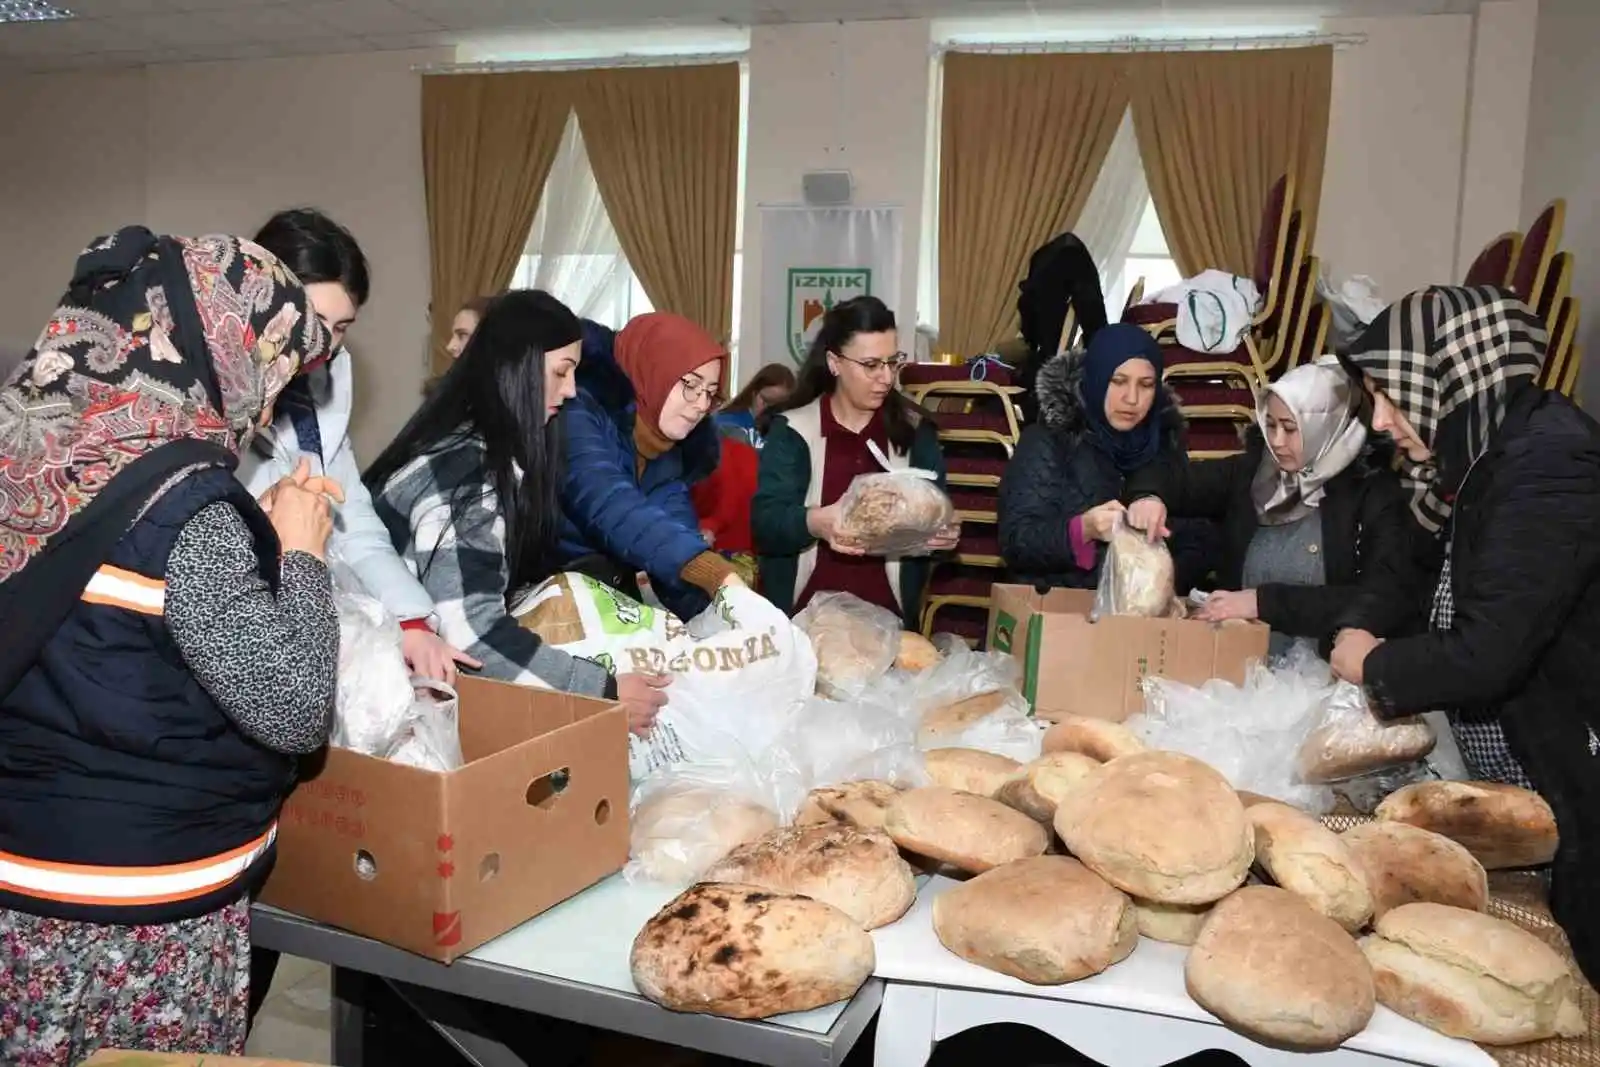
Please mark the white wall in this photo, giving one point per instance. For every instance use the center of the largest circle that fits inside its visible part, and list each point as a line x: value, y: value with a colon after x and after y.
x: 218, y: 147
x: 1563, y: 154
x: 828, y: 97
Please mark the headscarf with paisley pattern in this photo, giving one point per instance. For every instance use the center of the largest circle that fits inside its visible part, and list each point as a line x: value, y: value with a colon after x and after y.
x: 161, y: 357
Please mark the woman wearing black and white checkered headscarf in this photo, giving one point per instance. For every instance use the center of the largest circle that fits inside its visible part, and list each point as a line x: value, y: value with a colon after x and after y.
x: 1505, y: 481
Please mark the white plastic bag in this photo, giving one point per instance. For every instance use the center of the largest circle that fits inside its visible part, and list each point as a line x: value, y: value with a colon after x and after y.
x: 1136, y: 577
x: 894, y: 513
x: 430, y: 735
x: 869, y: 736
x: 739, y: 671
x: 684, y: 820
x: 1008, y: 730
x: 375, y: 694
x: 855, y: 642
x: 1249, y: 733
x: 1347, y: 741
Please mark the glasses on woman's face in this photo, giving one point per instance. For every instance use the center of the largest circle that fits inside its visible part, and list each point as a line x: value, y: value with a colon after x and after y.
x: 877, y: 366
x: 695, y: 389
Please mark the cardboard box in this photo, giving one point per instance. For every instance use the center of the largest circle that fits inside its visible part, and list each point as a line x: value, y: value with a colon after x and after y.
x: 440, y: 863
x: 1071, y: 666
x: 121, y: 1058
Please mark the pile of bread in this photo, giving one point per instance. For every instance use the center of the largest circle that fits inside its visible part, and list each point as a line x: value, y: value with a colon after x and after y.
x: 1271, y: 901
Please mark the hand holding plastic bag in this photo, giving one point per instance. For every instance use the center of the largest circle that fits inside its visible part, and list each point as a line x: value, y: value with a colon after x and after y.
x: 855, y: 642
x: 1348, y: 741
x: 895, y: 513
x: 1136, y: 577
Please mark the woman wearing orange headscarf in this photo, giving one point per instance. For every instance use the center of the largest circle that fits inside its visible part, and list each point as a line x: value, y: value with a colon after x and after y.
x: 635, y: 439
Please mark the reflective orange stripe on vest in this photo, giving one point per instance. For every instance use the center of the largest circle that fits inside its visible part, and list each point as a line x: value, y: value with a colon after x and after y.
x: 117, y: 588
x: 73, y: 883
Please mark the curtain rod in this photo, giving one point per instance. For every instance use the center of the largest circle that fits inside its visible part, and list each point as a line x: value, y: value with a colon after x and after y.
x: 1162, y: 44
x: 594, y: 63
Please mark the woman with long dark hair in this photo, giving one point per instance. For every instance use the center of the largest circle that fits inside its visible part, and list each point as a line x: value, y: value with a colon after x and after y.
x: 468, y: 493
x: 747, y: 414
x: 313, y: 425
x: 818, y: 444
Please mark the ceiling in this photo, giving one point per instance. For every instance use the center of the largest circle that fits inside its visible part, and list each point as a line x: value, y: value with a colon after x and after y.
x: 134, y: 32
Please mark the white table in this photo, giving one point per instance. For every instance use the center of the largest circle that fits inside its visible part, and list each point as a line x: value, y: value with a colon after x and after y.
x: 569, y: 963
x: 1136, y: 1014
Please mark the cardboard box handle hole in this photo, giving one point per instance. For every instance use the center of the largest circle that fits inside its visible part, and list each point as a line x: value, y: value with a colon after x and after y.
x: 366, y: 865
x: 544, y: 790
x: 489, y: 867
x: 602, y: 813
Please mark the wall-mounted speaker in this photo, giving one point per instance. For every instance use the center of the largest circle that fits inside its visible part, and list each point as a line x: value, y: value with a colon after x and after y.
x: 826, y: 188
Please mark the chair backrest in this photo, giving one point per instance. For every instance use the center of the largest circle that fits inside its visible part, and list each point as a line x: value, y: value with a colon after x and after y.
x: 1493, y: 264
x: 1299, y: 291
x: 1275, y: 297
x: 1558, y: 283
x: 1135, y: 295
x: 1273, y: 238
x: 1315, y: 336
x: 1538, y: 249
x: 1560, y: 370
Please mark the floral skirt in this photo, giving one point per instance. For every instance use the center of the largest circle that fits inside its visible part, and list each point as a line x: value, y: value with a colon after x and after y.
x: 68, y: 989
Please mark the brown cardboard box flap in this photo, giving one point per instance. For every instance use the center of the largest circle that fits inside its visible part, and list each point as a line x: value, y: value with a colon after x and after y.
x: 441, y: 863
x: 1076, y: 667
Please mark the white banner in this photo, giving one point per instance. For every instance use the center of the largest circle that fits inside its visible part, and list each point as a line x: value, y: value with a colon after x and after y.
x: 814, y: 258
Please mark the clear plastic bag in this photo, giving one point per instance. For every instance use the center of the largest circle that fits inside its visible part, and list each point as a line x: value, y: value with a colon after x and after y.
x: 684, y: 820
x: 855, y: 642
x: 1249, y: 733
x: 894, y: 513
x: 972, y: 700
x: 869, y: 736
x: 430, y: 735
x: 1349, y: 742
x: 1136, y: 578
x: 375, y: 694
x: 1367, y: 792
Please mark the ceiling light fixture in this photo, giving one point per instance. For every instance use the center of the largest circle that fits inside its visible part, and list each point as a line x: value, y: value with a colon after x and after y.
x: 32, y: 11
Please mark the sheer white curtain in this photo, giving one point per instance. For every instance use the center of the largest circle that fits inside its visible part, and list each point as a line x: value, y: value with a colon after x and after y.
x: 572, y: 251
x: 1111, y: 217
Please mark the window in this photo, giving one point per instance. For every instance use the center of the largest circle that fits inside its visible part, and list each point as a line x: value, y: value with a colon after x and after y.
x: 1148, y: 258
x: 573, y: 251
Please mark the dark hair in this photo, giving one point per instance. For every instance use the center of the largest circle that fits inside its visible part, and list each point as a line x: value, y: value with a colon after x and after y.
x: 863, y: 314
x: 317, y: 249
x: 478, y: 305
x: 495, y: 392
x: 767, y: 377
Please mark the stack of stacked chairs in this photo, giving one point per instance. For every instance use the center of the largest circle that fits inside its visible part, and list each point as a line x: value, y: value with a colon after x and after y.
x: 1218, y: 390
x: 1532, y: 266
x: 978, y: 429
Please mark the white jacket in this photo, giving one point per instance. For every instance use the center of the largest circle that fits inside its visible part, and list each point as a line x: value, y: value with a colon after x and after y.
x: 360, y: 540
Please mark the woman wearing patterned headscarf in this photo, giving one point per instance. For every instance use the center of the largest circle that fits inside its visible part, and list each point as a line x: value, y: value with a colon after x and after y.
x: 1505, y: 478
x: 170, y: 646
x: 1314, y: 525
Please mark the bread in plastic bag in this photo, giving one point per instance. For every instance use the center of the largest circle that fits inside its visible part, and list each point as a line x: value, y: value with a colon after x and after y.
x: 894, y: 513
x: 430, y: 735
x: 1136, y: 577
x: 739, y: 670
x: 855, y: 642
x: 1348, y: 741
x: 682, y: 821
x: 971, y: 700
x: 1249, y: 733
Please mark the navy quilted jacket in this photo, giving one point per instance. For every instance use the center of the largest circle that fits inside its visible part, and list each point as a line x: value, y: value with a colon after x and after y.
x: 642, y: 521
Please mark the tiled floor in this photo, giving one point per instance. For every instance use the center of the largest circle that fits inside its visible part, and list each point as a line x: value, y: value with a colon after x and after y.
x: 296, y: 1021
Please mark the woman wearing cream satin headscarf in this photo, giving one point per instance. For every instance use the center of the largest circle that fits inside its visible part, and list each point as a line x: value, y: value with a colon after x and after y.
x: 1314, y: 531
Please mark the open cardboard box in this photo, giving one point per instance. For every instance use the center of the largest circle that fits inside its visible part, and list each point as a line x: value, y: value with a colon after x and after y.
x: 1071, y: 666
x: 441, y: 863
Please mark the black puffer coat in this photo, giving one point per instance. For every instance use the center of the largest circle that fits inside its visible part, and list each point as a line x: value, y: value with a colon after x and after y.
x: 1525, y: 646
x: 1057, y: 474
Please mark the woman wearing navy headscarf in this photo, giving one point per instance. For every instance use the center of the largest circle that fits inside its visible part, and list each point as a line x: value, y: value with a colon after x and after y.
x: 1104, y: 414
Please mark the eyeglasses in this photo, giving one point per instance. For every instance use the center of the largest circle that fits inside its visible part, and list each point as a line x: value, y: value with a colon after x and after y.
x: 694, y: 389
x: 873, y: 366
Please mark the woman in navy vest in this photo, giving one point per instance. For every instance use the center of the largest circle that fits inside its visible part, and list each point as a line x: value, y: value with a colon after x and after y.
x: 170, y: 646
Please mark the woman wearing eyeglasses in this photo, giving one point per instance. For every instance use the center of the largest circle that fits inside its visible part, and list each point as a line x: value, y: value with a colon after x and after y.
x: 818, y: 444
x: 636, y: 438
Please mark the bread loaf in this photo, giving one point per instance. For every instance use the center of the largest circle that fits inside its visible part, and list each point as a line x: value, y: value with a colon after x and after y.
x: 1350, y: 747
x: 1273, y: 969
x: 950, y: 721
x: 1159, y: 825
x: 679, y: 832
x: 1098, y: 739
x: 1043, y: 783
x: 861, y: 804
x: 970, y: 770
x: 916, y: 653
x: 1141, y: 574
x: 860, y: 872
x: 1502, y: 825
x: 743, y: 952
x: 1045, y: 920
x: 1308, y: 859
x: 1406, y: 864
x: 964, y: 830
x: 1176, y: 924
x: 1472, y: 976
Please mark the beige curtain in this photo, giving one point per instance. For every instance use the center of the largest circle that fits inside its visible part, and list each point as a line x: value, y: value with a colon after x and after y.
x: 1216, y: 129
x: 487, y: 144
x: 1024, y: 137
x: 664, y: 144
